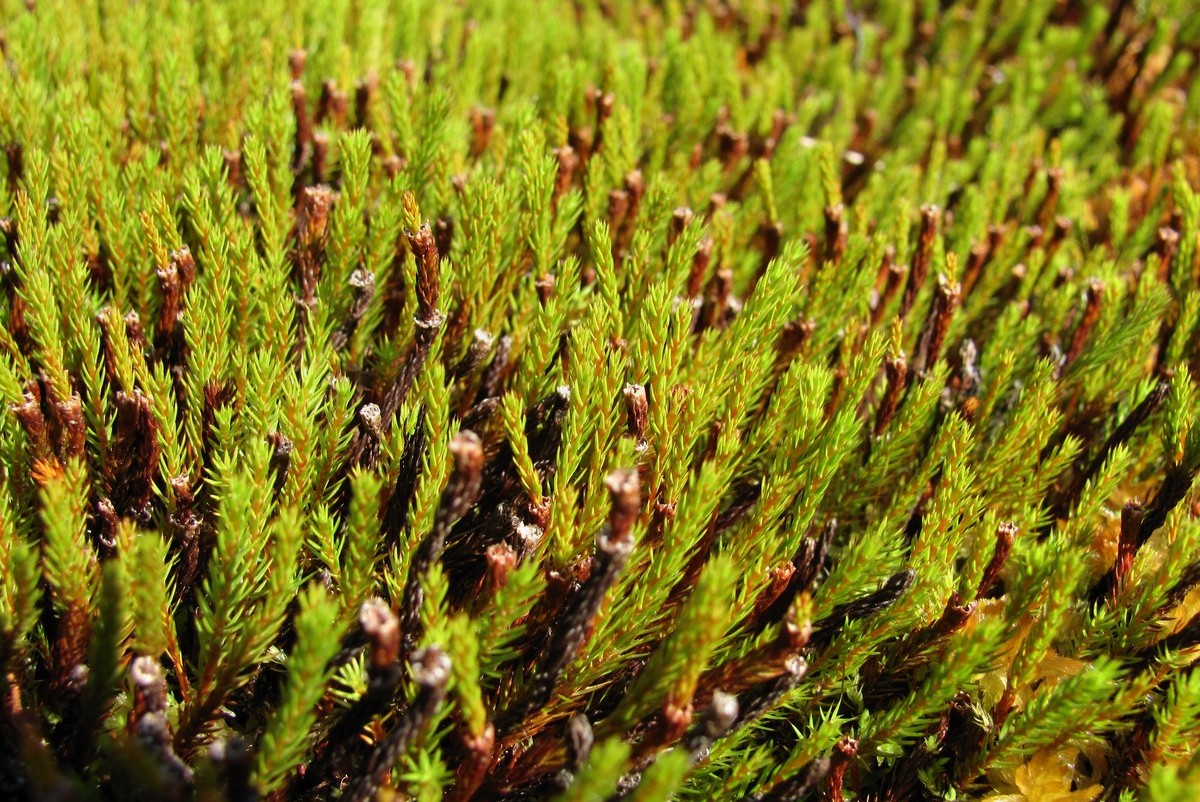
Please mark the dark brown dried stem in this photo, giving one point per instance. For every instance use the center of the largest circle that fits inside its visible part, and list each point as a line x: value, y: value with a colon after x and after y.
x: 895, y: 369
x: 872, y: 603
x: 132, y: 464
x: 1110, y: 584
x: 1006, y: 535
x: 460, y: 494
x: 613, y: 547
x: 1087, y: 321
x: 477, y: 351
x: 945, y: 301
x: 930, y: 215
x: 843, y: 756
x: 431, y: 671
x: 363, y: 284
x: 472, y: 770
x: 836, y: 231
x: 384, y: 673
x: 1171, y: 492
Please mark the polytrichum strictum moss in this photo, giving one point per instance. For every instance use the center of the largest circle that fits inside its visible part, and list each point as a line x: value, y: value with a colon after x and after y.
x: 529, y: 399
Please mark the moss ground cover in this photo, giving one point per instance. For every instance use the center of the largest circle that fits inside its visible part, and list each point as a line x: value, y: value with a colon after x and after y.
x: 599, y: 400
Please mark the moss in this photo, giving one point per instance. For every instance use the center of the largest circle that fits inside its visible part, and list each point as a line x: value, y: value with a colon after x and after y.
x: 531, y: 399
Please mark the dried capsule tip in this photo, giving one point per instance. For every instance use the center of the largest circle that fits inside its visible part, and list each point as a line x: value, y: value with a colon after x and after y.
x: 1131, y: 523
x: 501, y: 559
x: 362, y: 279
x: 145, y: 672
x: 795, y: 667
x: 296, y: 60
x: 467, y: 450
x: 315, y: 212
x: 431, y: 667
x: 580, y: 737
x: 638, y: 408
x: 1006, y: 534
x: 723, y: 711
x: 372, y: 418
x: 382, y: 627
x: 624, y: 487
x: 482, y: 339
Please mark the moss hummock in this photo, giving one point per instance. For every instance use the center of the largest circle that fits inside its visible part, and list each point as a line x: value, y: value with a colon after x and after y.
x: 530, y: 399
